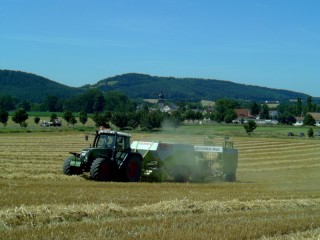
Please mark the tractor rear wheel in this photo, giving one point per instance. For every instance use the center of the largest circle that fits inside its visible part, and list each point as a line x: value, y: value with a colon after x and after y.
x: 102, y: 170
x: 70, y: 170
x: 131, y: 169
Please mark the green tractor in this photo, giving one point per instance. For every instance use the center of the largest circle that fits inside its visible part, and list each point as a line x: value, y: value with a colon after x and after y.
x: 109, y: 159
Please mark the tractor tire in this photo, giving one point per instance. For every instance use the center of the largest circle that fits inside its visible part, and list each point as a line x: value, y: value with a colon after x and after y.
x: 229, y: 177
x: 131, y: 169
x: 102, y: 170
x: 70, y: 170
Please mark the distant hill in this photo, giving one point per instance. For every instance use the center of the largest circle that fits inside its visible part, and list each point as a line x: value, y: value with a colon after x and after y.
x: 28, y: 86
x: 148, y: 87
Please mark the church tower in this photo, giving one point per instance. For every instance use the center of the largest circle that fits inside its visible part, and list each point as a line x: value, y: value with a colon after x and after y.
x: 161, y: 98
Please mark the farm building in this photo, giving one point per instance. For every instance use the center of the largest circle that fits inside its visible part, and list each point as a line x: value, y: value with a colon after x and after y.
x: 315, y: 115
x: 243, y: 113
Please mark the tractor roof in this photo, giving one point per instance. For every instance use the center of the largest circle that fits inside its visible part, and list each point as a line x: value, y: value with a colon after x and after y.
x: 108, y: 131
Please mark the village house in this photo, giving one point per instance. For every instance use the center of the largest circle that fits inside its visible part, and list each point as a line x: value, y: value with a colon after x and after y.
x: 243, y: 113
x: 315, y: 115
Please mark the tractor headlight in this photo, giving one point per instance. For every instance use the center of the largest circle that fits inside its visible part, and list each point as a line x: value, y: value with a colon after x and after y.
x: 84, y: 155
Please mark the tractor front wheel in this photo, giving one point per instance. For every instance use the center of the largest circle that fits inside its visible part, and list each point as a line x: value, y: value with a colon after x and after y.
x: 131, y: 169
x: 102, y: 170
x: 70, y: 170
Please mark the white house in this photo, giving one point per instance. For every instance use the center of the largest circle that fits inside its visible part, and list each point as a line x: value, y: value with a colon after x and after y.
x: 315, y: 115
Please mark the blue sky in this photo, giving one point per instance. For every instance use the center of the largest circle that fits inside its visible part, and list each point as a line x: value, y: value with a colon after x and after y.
x: 271, y: 43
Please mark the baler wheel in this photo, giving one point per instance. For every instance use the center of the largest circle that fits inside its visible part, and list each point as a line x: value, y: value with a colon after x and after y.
x: 131, y: 170
x: 70, y: 170
x: 229, y: 177
x: 102, y: 170
x: 181, y: 174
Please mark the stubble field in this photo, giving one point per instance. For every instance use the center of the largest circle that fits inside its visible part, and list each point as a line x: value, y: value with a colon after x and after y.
x: 276, y: 196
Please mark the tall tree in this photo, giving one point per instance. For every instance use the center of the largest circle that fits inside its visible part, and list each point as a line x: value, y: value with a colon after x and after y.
x: 255, y: 109
x: 264, y: 114
x: 299, y: 107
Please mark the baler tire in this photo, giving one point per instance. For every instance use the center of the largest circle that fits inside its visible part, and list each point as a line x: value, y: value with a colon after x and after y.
x: 131, y: 169
x: 229, y: 177
x: 102, y: 170
x: 70, y: 170
x: 182, y: 174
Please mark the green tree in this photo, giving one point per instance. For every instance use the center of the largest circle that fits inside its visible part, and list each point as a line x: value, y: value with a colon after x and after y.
x: 223, y: 106
x: 309, y: 104
x: 230, y: 116
x: 26, y: 105
x: 151, y: 120
x: 134, y: 119
x: 20, y: 116
x: 99, y: 103
x: 36, y: 120
x: 310, y: 133
x: 198, y: 115
x: 67, y: 115
x: 286, y: 118
x: 73, y: 120
x: 118, y: 102
x: 102, y: 119
x: 255, y: 109
x: 121, y: 120
x: 7, y: 102
x: 250, y: 126
x: 190, y: 115
x: 83, y: 117
x: 264, y: 114
x: 4, y: 115
x: 299, y: 107
x: 50, y: 103
x: 309, y: 120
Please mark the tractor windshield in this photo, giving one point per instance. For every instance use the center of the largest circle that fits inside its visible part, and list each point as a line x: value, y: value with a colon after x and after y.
x: 105, y: 141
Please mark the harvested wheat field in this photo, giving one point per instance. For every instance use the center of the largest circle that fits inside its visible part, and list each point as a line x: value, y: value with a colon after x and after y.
x: 276, y: 196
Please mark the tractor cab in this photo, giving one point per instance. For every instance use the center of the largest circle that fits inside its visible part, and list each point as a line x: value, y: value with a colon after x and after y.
x: 112, y: 140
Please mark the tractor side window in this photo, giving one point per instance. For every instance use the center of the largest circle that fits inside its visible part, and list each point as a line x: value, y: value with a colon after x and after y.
x: 127, y: 143
x: 120, y: 143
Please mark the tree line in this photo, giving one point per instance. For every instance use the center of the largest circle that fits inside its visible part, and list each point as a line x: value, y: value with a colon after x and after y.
x: 116, y: 108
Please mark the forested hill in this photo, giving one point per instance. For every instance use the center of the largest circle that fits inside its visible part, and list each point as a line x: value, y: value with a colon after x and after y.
x: 34, y: 88
x: 31, y: 87
x: 146, y: 86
